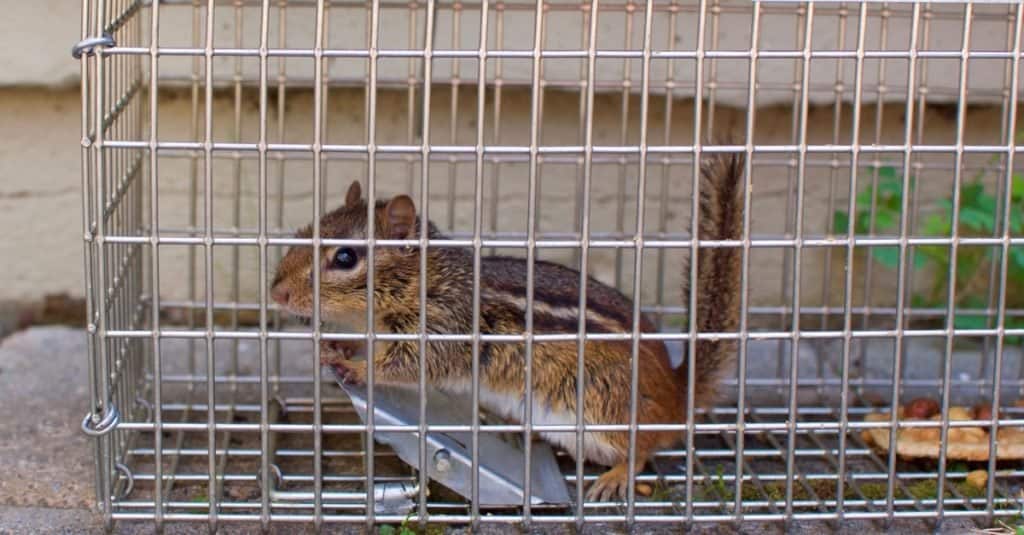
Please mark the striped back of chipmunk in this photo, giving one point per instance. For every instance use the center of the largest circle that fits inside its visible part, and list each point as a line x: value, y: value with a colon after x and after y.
x: 556, y: 298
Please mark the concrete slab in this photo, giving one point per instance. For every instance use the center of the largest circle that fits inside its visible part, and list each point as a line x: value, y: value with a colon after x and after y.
x: 45, y: 520
x: 44, y: 388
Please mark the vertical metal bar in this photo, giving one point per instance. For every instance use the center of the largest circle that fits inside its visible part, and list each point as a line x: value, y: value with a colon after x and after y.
x: 318, y: 132
x: 211, y: 384
x: 801, y: 173
x: 904, y: 261
x: 262, y: 217
x: 638, y: 255
x: 478, y: 200
x: 236, y: 204
x: 325, y: 98
x: 236, y: 208
x: 837, y: 117
x: 193, y: 209
x: 588, y: 161
x: 104, y: 402
x: 787, y: 255
x: 844, y: 396
x: 748, y: 164
x: 627, y: 86
x: 589, y: 14
x: 869, y: 264
x: 539, y: 72
x: 666, y: 162
x: 691, y: 353
x: 410, y: 96
x: 154, y: 232
x: 712, y: 82
x: 499, y: 39
x: 371, y: 179
x: 536, y: 103
x: 282, y: 79
x: 425, y: 149
x: 947, y: 364
x: 453, y: 110
x: 93, y: 290
x: 1011, y: 141
x: 193, y: 177
x: 922, y: 107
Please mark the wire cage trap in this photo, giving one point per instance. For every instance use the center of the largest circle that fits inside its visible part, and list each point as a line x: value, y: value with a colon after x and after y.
x: 883, y: 246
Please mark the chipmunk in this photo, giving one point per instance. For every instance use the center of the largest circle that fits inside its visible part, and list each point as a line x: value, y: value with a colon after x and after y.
x: 449, y: 309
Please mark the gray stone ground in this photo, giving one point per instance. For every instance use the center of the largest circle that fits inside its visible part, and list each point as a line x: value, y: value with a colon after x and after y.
x: 46, y: 479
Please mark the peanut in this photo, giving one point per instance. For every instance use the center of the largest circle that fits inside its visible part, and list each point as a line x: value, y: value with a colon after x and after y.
x: 959, y: 413
x: 977, y: 478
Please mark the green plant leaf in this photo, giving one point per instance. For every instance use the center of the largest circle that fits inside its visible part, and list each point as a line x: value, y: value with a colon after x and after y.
x: 890, y: 188
x: 936, y: 253
x: 975, y: 219
x: 840, y: 222
x: 947, y: 208
x: 1014, y: 323
x: 968, y: 260
x: 386, y: 530
x: 1016, y: 220
x: 969, y: 193
x: 887, y: 172
x: 1017, y: 256
x: 972, y: 302
x: 921, y: 261
x: 987, y: 203
x: 864, y: 199
x: 1017, y: 188
x: 884, y: 220
x: 936, y: 225
x: 887, y: 256
x: 965, y: 321
x: 863, y: 224
x: 920, y: 301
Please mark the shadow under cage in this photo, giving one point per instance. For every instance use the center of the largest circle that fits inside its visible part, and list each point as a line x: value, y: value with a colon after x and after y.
x: 882, y: 251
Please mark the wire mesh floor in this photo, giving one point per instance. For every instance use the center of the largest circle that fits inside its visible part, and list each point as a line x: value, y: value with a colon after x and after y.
x: 813, y: 488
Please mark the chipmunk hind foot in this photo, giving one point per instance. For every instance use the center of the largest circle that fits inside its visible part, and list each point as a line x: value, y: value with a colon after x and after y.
x: 614, y: 484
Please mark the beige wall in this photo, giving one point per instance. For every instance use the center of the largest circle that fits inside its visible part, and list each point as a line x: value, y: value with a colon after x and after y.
x: 40, y: 204
x: 40, y: 153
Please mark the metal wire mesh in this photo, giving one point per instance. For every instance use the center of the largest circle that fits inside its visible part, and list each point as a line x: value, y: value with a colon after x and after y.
x: 212, y: 129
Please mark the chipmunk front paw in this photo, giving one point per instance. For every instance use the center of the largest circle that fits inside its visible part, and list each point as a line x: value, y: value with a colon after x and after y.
x: 350, y: 371
x: 332, y: 351
x: 338, y: 355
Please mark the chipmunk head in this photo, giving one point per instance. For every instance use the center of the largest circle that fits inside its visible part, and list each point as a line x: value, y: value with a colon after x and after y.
x: 343, y: 268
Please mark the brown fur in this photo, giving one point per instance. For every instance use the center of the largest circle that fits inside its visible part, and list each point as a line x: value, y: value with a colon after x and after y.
x: 449, y: 309
x: 718, y: 273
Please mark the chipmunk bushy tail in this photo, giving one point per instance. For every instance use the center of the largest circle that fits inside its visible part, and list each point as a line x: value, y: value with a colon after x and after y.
x: 718, y: 273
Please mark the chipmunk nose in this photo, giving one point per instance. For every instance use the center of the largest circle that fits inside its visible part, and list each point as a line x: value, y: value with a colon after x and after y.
x: 279, y: 293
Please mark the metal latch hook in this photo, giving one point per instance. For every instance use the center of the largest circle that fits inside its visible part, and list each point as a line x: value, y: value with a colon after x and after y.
x: 86, y: 46
x: 105, y: 425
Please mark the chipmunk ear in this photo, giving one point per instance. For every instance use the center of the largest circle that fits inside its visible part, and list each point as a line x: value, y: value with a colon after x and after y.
x: 400, y: 218
x: 354, y: 195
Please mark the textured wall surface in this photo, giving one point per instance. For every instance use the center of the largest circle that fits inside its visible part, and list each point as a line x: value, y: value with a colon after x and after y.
x: 55, y: 25
x: 40, y: 154
x: 40, y: 182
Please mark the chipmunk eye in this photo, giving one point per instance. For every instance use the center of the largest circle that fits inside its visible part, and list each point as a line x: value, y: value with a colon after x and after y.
x: 345, y: 258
